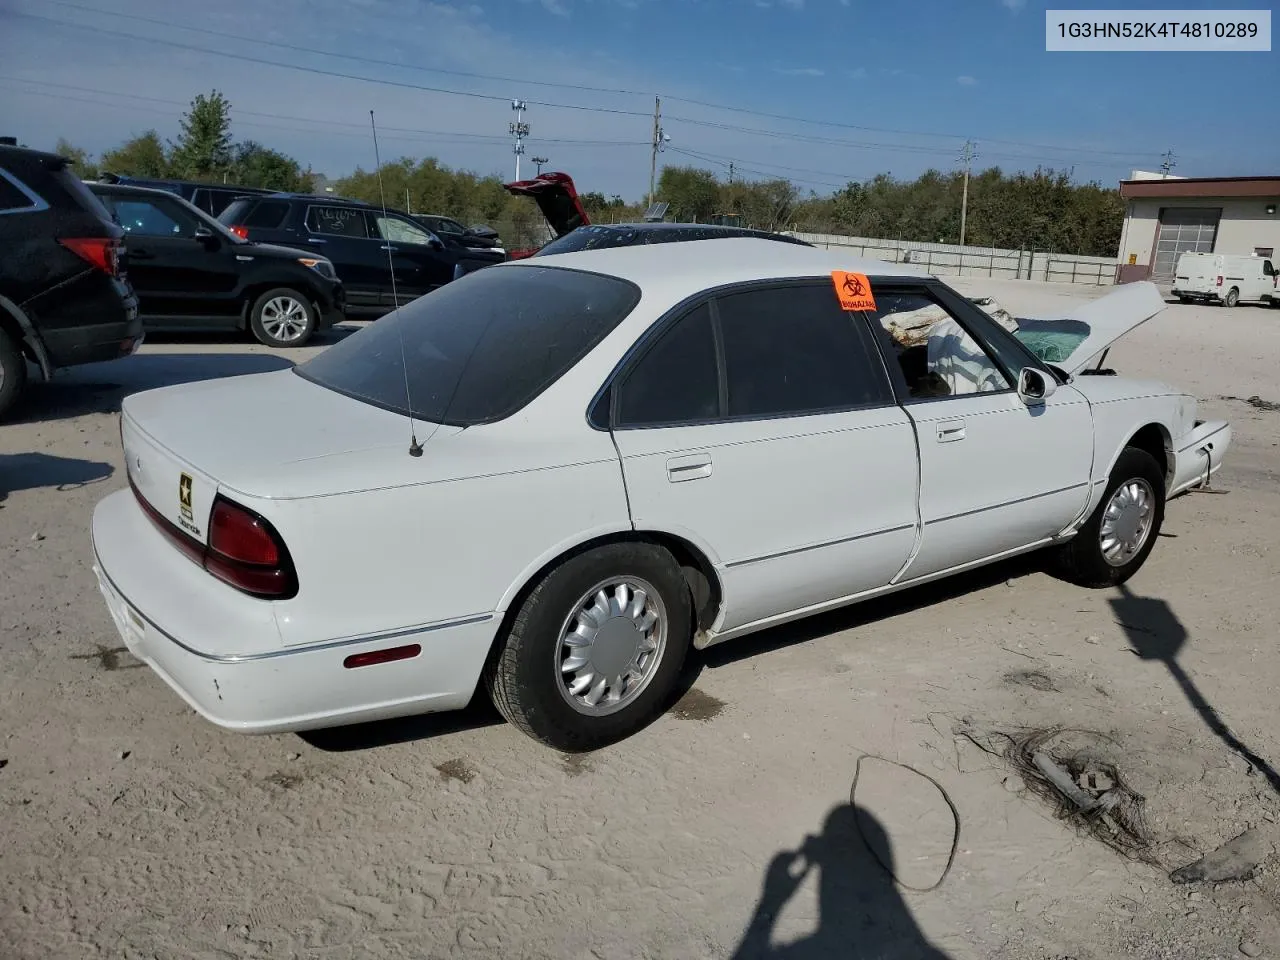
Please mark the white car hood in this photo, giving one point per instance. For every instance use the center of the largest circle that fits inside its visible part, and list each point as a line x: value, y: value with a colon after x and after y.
x: 1107, y: 319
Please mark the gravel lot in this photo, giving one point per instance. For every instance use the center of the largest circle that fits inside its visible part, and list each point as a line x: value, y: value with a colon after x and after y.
x: 132, y: 828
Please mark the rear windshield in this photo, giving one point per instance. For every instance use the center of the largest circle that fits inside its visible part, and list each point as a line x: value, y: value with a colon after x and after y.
x: 479, y: 348
x: 234, y: 213
x: 589, y: 238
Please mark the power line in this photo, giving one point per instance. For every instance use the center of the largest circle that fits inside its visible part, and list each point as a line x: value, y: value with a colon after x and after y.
x: 403, y: 84
x: 237, y: 112
x: 527, y: 81
x: 355, y: 58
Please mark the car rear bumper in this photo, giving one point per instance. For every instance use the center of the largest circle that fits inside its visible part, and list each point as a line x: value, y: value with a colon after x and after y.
x: 106, y: 326
x: 221, y: 651
x: 1199, y: 455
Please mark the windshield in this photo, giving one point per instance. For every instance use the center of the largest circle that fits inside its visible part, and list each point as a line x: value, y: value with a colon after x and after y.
x: 1053, y: 341
x: 479, y: 348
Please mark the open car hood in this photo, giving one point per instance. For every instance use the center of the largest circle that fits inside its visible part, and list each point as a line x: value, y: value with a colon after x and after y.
x: 1071, y: 340
x: 556, y: 197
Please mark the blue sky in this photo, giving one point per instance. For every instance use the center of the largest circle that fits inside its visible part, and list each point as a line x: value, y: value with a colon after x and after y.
x: 900, y: 85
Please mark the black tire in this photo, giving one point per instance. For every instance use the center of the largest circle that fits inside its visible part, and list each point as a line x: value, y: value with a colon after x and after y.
x: 1232, y: 298
x: 13, y: 373
x: 524, y: 676
x: 1080, y: 560
x: 261, y: 318
x: 1184, y: 299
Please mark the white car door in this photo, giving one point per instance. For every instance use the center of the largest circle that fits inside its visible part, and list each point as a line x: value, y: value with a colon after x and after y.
x: 996, y: 473
x: 761, y: 426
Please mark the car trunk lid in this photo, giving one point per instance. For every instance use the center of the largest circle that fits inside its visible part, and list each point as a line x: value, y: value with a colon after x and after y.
x: 264, y: 434
x: 556, y: 197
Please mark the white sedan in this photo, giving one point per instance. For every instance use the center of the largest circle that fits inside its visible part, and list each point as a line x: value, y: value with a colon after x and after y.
x: 556, y: 475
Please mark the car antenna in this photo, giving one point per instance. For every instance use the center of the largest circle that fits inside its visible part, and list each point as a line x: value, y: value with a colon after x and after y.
x: 415, y: 448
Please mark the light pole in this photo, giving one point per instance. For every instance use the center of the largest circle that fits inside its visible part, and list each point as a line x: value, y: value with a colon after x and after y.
x: 539, y: 161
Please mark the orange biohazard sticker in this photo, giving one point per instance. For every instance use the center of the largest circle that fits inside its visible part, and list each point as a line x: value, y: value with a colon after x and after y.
x: 853, y: 290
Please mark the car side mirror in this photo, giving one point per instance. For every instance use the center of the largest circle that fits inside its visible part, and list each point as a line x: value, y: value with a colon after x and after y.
x: 205, y: 236
x: 435, y: 243
x: 1035, y: 386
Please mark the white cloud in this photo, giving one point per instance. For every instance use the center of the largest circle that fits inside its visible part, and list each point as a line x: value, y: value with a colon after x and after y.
x: 966, y: 81
x: 1014, y: 5
x: 859, y: 74
x: 793, y: 4
x: 799, y: 71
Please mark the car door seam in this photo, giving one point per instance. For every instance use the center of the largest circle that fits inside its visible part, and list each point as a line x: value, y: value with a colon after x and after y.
x: 1007, y: 503
x: 915, y: 547
x: 818, y: 546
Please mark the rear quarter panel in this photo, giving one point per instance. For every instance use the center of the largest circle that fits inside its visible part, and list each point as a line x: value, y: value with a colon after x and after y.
x: 453, y: 546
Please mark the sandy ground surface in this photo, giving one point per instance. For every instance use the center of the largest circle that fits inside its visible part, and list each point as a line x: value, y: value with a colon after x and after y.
x: 132, y: 828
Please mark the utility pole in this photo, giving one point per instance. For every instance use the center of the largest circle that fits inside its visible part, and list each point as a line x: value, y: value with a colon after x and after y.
x: 408, y: 207
x: 519, y: 130
x: 1170, y: 161
x: 966, y: 157
x: 539, y: 161
x: 731, y: 172
x: 657, y: 145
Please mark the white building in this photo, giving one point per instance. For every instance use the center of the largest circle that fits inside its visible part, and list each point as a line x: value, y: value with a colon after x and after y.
x: 1167, y: 216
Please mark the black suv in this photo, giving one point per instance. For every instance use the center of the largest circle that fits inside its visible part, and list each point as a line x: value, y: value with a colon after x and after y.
x: 209, y: 197
x: 454, y: 233
x: 364, y: 244
x: 63, y: 297
x: 191, y: 272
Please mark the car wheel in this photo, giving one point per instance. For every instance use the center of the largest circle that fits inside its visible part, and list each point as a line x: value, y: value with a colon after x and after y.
x: 1184, y: 299
x: 1116, y: 540
x: 283, y: 318
x: 13, y: 373
x: 595, y: 649
x: 1233, y: 297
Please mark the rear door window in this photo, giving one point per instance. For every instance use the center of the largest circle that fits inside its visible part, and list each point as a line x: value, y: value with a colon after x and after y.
x: 676, y: 380
x: 266, y: 215
x: 790, y: 351
x: 16, y: 196
x: 338, y: 221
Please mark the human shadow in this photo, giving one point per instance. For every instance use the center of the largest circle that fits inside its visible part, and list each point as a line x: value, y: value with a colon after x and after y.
x: 28, y: 471
x: 1155, y: 633
x: 861, y: 914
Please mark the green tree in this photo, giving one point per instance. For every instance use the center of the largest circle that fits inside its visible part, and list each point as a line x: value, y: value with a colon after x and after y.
x: 253, y: 165
x: 81, y: 163
x: 141, y: 156
x: 694, y: 194
x: 203, y: 150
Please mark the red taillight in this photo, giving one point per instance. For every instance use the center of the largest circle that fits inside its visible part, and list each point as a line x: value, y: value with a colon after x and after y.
x: 244, y: 550
x: 238, y: 535
x: 1219, y: 281
x: 101, y: 252
x: 241, y: 232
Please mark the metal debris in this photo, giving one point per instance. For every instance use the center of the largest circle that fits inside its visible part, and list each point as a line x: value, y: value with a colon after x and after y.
x: 1234, y: 860
x: 1066, y: 769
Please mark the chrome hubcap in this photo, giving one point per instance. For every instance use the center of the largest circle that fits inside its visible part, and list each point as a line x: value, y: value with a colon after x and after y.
x: 1126, y: 523
x: 610, y: 645
x: 284, y: 318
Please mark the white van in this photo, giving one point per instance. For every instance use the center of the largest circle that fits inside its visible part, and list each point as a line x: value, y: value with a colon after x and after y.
x: 1224, y: 278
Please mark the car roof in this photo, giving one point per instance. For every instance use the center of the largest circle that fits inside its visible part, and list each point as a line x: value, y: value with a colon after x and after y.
x: 681, y: 269
x: 100, y: 186
x: 26, y: 153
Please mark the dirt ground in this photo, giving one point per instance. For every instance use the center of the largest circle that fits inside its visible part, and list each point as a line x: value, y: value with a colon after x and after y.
x: 132, y: 828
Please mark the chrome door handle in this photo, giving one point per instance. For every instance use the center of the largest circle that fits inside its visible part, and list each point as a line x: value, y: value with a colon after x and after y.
x: 950, y: 431
x: 388, y: 247
x: 314, y: 240
x: 693, y: 467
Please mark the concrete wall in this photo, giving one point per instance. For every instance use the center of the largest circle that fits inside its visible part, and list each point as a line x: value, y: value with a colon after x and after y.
x: 957, y: 261
x: 1245, y: 224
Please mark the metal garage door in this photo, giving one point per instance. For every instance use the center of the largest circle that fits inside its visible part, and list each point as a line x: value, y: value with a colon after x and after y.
x: 1183, y: 230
